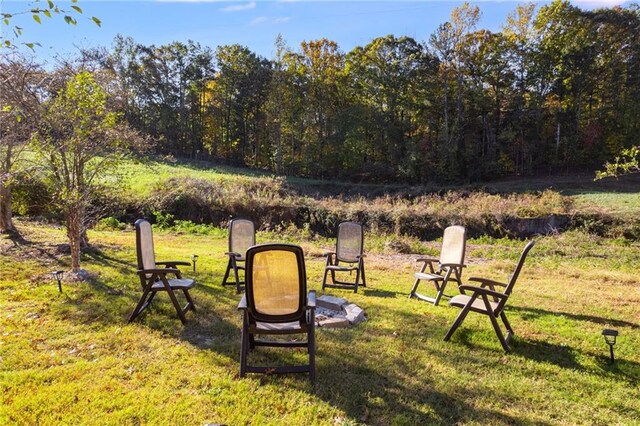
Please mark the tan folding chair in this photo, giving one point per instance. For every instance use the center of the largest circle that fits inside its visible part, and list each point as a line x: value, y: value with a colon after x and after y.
x: 487, y: 301
x: 348, y: 257
x: 447, y: 268
x: 242, y: 235
x: 154, y: 279
x: 276, y: 303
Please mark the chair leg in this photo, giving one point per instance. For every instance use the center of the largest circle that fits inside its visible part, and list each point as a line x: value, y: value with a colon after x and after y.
x: 176, y: 304
x: 461, y: 316
x: 324, y: 279
x: 143, y: 301
x: 364, y: 280
x: 496, y: 326
x: 440, y: 292
x: 506, y: 322
x: 312, y: 351
x: 151, y: 296
x: 226, y: 274
x: 244, y: 346
x: 237, y: 276
x: 414, y: 288
x: 440, y: 287
x: 357, y: 280
x: 187, y: 296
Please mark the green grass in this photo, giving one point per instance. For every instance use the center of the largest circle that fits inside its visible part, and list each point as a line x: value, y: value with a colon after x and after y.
x: 139, y: 178
x: 71, y: 358
x: 615, y: 203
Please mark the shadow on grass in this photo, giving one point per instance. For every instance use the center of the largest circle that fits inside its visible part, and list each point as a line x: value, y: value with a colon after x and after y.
x: 560, y: 355
x: 22, y: 248
x: 528, y: 313
x: 399, y: 392
x: 98, y: 302
x: 99, y: 257
x: 375, y: 292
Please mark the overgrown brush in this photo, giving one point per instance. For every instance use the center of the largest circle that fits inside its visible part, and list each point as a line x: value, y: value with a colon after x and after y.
x: 274, y: 204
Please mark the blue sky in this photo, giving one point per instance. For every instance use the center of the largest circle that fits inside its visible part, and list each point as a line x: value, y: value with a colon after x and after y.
x: 254, y: 24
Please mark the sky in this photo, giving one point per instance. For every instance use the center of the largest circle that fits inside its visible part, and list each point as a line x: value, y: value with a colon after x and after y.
x: 251, y: 23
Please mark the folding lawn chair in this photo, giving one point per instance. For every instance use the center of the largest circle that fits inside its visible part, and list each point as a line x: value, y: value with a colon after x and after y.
x: 154, y: 279
x: 487, y: 301
x: 348, y: 257
x: 242, y: 235
x: 447, y: 268
x: 276, y: 303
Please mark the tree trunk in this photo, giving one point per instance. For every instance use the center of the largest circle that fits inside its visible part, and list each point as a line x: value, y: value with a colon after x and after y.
x: 460, y: 143
x: 6, y: 211
x: 75, y: 228
x: 279, y: 151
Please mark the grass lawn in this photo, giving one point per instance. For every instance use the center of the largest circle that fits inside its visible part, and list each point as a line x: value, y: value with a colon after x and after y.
x: 71, y: 358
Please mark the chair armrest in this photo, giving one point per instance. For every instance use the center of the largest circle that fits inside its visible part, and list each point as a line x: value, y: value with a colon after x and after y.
x: 329, y: 253
x: 243, y: 302
x: 362, y: 256
x: 158, y: 271
x: 482, y: 290
x: 453, y: 265
x: 427, y: 260
x: 174, y: 263
x: 486, y: 281
x: 232, y: 253
x: 311, y: 299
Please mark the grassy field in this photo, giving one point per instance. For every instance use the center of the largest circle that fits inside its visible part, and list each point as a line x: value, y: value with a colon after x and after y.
x: 71, y: 358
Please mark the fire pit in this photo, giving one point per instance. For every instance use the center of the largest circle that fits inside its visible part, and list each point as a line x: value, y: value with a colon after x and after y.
x: 335, y: 312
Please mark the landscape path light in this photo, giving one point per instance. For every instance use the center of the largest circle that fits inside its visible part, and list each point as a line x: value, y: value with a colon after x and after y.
x: 58, y: 276
x: 194, y: 259
x: 610, y: 338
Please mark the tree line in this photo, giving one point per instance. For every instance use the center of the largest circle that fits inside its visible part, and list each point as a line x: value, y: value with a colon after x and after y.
x: 558, y: 89
x: 555, y: 90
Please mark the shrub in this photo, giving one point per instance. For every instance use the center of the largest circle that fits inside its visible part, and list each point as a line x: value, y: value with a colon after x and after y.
x: 110, y: 224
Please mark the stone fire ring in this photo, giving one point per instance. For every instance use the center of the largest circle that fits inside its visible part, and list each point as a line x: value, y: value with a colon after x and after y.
x: 335, y: 312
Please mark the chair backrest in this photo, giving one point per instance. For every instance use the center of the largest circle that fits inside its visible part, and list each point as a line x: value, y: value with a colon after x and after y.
x: 350, y: 242
x: 514, y: 277
x: 242, y: 235
x: 454, y: 243
x: 276, y: 282
x: 144, y: 245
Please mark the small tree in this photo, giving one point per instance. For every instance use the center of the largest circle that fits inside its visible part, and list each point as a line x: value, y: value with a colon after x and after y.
x: 626, y: 163
x: 78, y: 141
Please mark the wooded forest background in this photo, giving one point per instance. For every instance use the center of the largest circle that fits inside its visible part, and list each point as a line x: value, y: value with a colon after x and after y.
x: 557, y: 90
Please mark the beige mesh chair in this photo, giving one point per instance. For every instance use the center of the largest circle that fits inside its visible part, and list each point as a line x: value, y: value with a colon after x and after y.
x: 449, y: 266
x: 154, y: 279
x: 348, y: 257
x: 487, y: 301
x: 276, y: 303
x: 242, y: 235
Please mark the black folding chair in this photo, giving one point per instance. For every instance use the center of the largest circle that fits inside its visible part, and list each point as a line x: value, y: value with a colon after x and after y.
x: 487, y: 301
x: 276, y: 303
x: 154, y: 279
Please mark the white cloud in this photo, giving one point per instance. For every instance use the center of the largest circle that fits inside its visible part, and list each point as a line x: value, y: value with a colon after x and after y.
x: 239, y: 7
x: 265, y: 20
